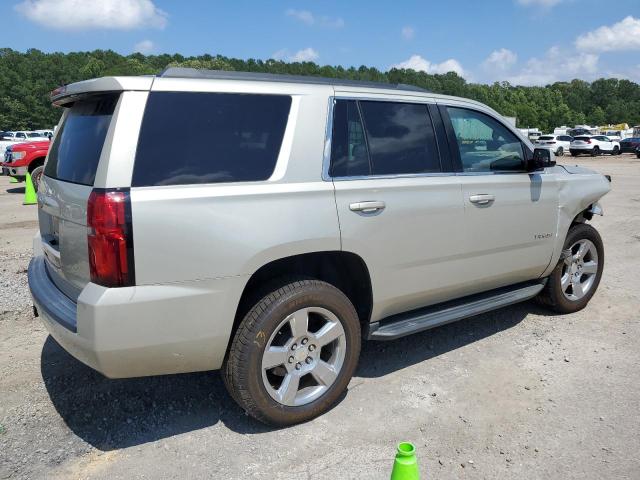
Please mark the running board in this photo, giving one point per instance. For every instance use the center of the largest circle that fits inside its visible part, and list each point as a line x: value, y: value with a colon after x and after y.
x: 403, y: 324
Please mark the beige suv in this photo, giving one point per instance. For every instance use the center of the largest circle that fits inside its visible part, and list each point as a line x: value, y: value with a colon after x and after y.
x: 267, y: 225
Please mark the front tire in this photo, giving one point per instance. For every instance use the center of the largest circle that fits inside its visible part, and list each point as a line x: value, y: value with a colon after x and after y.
x: 560, y: 152
x: 294, y: 353
x: 616, y: 151
x: 576, y: 277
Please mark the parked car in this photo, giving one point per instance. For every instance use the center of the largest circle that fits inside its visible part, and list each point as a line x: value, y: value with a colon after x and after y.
x: 26, y: 157
x: 44, y: 133
x: 321, y: 213
x: 594, y: 145
x: 24, y: 136
x: 558, y: 144
x: 629, y: 145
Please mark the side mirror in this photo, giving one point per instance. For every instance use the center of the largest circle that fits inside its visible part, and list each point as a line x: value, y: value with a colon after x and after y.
x: 542, y: 158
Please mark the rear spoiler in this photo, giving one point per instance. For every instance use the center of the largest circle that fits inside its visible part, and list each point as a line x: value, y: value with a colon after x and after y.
x: 62, y: 96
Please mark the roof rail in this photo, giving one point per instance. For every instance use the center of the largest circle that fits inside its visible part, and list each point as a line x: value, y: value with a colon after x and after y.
x: 181, y: 72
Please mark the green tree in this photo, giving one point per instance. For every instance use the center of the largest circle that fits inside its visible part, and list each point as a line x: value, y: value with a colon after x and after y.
x: 26, y: 78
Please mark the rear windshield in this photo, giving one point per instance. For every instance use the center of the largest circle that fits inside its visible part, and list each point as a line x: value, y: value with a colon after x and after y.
x: 582, y: 138
x: 546, y: 138
x: 189, y: 138
x: 74, y: 155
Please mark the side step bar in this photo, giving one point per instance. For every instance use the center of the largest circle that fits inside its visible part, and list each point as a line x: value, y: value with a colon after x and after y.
x: 403, y: 324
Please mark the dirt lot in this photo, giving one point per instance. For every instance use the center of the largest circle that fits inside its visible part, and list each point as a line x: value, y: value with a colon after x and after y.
x: 517, y: 393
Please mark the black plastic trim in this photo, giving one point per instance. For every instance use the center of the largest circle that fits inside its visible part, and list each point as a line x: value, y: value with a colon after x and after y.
x: 48, y: 298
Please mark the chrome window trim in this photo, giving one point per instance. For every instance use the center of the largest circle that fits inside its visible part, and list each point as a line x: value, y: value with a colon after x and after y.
x: 326, y: 160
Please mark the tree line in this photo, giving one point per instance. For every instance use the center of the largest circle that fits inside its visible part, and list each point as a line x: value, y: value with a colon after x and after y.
x: 27, y: 78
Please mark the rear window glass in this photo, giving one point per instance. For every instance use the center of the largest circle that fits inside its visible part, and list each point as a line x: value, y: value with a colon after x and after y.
x: 400, y: 137
x: 546, y: 138
x: 74, y: 155
x: 189, y: 138
x: 582, y: 138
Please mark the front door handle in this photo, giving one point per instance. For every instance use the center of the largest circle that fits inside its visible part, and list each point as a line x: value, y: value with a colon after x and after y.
x: 366, y: 207
x: 482, y: 198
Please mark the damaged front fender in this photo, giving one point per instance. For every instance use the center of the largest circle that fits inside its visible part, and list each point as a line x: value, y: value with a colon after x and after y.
x: 579, y: 190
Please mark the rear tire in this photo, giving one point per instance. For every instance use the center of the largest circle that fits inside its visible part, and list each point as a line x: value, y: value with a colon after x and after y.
x: 288, y: 328
x: 36, y: 175
x: 576, y: 278
x: 560, y: 152
x: 595, y: 152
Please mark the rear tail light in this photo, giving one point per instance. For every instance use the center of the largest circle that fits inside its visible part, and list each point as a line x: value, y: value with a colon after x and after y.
x: 110, y: 238
x: 588, y: 140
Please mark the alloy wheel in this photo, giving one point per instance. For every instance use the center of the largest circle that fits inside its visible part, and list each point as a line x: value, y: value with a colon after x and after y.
x: 304, y: 356
x: 579, y: 270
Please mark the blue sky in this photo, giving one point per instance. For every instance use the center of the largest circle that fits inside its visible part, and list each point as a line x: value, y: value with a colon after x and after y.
x: 521, y: 41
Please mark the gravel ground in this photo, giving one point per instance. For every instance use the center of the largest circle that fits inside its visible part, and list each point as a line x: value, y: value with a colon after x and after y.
x: 517, y: 393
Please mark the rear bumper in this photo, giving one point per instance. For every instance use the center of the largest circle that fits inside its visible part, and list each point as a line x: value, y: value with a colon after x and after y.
x: 585, y: 149
x: 142, y: 330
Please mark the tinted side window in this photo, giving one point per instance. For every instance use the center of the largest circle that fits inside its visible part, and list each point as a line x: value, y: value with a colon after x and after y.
x: 400, y: 137
x: 348, y: 147
x: 75, y: 153
x: 484, y: 143
x: 224, y: 137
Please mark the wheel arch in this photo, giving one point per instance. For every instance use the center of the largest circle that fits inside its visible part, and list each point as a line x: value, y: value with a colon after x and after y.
x: 35, y: 163
x: 346, y: 271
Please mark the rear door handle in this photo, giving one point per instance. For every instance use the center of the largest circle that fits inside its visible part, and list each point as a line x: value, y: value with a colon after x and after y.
x: 482, y: 198
x: 366, y: 207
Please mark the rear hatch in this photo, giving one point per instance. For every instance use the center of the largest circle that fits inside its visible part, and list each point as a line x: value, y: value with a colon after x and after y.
x: 67, y: 182
x: 545, y: 140
x: 581, y: 141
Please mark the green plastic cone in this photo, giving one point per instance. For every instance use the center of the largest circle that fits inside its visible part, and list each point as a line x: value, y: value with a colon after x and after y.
x: 406, y: 465
x: 13, y: 180
x: 30, y: 197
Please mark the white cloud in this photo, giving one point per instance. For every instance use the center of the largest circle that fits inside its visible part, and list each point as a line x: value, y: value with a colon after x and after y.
x: 539, y: 3
x: 556, y: 65
x: 501, y: 60
x: 624, y: 35
x: 144, y: 46
x: 408, y: 32
x: 304, y: 55
x: 419, y: 64
x: 304, y: 16
x: 88, y: 14
x: 308, y: 18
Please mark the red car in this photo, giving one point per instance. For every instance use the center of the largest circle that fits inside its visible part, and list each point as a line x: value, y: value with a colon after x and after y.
x: 26, y: 157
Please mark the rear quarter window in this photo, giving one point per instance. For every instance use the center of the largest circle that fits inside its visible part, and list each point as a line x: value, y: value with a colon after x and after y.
x: 192, y: 138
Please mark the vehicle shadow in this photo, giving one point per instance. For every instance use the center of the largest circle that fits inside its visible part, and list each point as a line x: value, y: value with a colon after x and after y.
x: 112, y: 414
x: 16, y: 190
